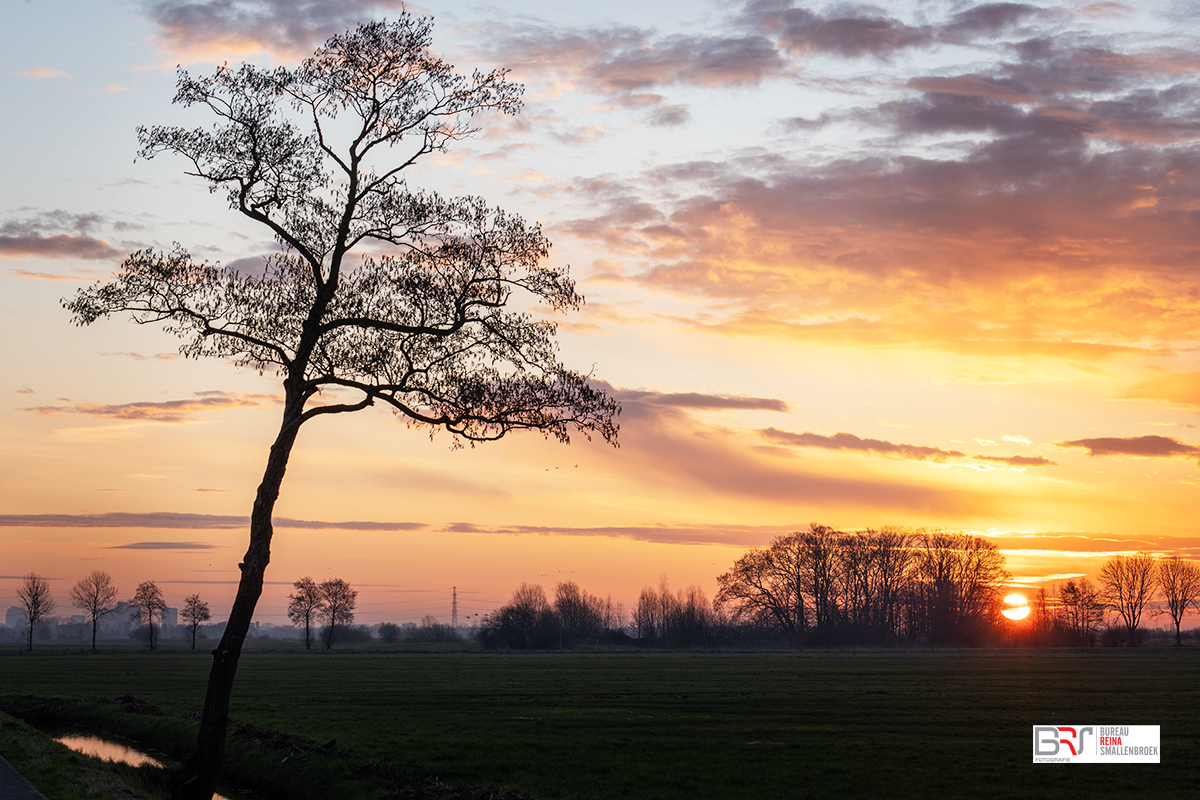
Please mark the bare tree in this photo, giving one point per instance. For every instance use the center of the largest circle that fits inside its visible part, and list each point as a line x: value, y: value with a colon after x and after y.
x: 526, y: 621
x: 305, y: 606
x: 580, y: 613
x: 389, y: 632
x: 194, y: 614
x: 765, y: 588
x: 1128, y: 583
x: 819, y: 574
x: 958, y: 580
x: 422, y: 329
x: 34, y: 594
x: 148, y: 609
x: 1081, y: 610
x: 96, y: 596
x: 1179, y: 581
x: 337, y: 607
x: 647, y: 613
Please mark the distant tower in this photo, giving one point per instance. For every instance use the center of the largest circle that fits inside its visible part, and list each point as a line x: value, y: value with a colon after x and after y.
x: 454, y: 608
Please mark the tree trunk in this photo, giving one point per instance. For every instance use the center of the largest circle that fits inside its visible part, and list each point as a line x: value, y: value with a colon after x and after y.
x: 199, y: 777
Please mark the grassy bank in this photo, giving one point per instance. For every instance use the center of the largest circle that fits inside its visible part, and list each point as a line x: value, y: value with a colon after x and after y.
x: 653, y: 725
x: 65, y: 775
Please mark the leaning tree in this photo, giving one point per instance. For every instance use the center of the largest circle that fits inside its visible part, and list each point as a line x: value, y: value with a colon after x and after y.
x: 381, y: 294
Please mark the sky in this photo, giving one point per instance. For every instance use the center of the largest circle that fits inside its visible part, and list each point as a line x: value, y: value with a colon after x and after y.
x: 930, y: 264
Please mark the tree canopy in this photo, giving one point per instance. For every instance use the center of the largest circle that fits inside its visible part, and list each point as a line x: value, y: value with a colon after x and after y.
x: 420, y: 321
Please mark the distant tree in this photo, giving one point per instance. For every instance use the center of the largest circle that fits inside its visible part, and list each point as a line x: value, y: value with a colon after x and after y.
x: 1179, y: 581
x: 194, y: 614
x: 674, y: 619
x: 581, y: 615
x: 765, y: 588
x: 36, y: 600
x: 1128, y: 587
x: 305, y: 606
x: 526, y: 621
x: 875, y: 572
x: 1081, y: 610
x: 148, y: 609
x: 1041, y: 618
x: 648, y: 619
x: 820, y: 576
x: 430, y: 631
x: 338, y: 604
x: 96, y: 596
x: 383, y: 294
x: 389, y: 632
x: 957, y: 585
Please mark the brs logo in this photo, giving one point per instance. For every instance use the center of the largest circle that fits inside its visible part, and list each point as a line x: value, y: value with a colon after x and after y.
x: 1047, y: 740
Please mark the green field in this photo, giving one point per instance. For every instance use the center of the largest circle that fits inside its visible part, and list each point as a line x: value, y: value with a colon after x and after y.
x: 682, y: 725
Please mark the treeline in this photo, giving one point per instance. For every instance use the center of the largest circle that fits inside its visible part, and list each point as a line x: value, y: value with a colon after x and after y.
x: 819, y: 586
x: 530, y: 621
x: 1081, y: 613
x: 884, y: 586
x: 96, y: 596
x: 878, y: 587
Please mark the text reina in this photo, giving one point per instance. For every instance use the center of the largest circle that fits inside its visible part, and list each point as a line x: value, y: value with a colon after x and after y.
x: 1112, y: 735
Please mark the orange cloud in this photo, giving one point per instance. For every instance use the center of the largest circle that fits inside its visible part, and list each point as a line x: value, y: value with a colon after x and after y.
x: 668, y: 447
x: 1182, y: 389
x: 848, y: 441
x: 910, y: 452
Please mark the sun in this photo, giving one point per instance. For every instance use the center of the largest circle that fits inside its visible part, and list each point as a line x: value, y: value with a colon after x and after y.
x: 1017, y: 606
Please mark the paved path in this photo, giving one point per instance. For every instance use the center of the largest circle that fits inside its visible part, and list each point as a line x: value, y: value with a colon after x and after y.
x: 15, y: 787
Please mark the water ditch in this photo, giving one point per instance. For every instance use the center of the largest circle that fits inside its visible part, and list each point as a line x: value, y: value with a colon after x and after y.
x: 109, y: 747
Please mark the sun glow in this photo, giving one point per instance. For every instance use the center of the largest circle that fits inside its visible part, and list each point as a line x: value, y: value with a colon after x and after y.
x: 1018, y: 606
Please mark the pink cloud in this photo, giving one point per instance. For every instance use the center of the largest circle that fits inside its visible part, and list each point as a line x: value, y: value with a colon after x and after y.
x: 164, y: 411
x: 1138, y: 446
x: 43, y: 73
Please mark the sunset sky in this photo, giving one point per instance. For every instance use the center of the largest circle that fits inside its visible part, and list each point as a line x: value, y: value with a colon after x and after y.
x: 930, y: 264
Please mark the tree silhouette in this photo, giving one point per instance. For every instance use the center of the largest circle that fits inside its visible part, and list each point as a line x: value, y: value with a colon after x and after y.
x: 96, y: 596
x: 309, y: 153
x: 337, y: 607
x: 1128, y: 583
x: 148, y: 605
x: 765, y: 587
x: 1080, y: 610
x: 194, y: 614
x: 305, y: 606
x: 1179, y: 581
x: 34, y: 594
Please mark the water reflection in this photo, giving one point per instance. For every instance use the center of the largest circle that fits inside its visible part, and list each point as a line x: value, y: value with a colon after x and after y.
x: 108, y: 750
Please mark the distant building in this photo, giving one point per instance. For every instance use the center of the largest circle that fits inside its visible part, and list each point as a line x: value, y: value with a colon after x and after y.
x: 170, y: 616
x: 15, y: 617
x: 116, y: 625
x: 77, y: 619
x: 408, y: 626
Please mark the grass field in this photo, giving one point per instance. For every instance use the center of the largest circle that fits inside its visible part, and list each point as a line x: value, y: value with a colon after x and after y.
x: 676, y: 725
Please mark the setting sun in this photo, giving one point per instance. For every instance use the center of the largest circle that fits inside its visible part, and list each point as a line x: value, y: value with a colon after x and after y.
x: 1017, y: 606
